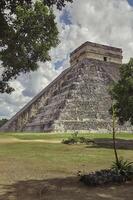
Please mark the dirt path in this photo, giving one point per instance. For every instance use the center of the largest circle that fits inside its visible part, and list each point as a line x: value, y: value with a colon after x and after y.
x: 16, y: 140
x: 65, y: 189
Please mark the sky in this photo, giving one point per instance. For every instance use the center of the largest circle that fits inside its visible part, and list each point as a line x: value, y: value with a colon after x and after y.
x: 108, y: 22
x: 130, y: 2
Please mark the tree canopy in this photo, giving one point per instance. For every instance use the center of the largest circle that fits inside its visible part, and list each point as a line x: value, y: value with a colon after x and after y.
x: 3, y: 121
x: 122, y: 93
x: 28, y: 32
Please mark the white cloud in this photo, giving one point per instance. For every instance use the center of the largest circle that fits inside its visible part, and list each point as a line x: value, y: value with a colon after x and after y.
x: 34, y: 82
x: 100, y: 21
x: 103, y: 21
x: 9, y: 104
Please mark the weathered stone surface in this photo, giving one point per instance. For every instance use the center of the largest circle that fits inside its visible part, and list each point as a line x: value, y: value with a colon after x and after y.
x: 96, y: 51
x: 76, y: 100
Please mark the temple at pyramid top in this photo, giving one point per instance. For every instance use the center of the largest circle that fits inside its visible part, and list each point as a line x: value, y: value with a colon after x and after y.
x: 97, y: 52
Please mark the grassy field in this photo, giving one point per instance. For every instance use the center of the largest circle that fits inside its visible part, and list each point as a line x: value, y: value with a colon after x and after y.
x: 60, y: 136
x: 26, y: 159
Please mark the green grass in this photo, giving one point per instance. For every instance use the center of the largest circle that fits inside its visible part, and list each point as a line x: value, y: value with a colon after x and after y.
x: 20, y: 161
x: 57, y: 136
x: 38, y: 164
x: 36, y: 160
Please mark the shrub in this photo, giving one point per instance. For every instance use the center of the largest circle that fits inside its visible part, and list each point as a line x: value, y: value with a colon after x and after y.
x: 103, y: 177
x: 74, y: 139
x: 69, y: 141
x: 119, y: 173
x: 123, y: 167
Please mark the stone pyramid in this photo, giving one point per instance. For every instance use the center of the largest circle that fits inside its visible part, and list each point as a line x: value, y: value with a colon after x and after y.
x: 78, y: 98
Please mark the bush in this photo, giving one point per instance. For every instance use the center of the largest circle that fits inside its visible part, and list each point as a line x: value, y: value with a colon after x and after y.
x: 123, y: 167
x: 103, y: 177
x: 69, y: 141
x: 74, y: 139
x: 119, y: 173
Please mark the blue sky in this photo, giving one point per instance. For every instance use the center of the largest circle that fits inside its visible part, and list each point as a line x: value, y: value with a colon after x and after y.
x: 130, y: 2
x: 58, y: 64
x: 65, y: 17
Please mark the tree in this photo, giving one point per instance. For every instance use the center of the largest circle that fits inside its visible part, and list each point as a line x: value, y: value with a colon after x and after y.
x: 58, y: 3
x: 122, y: 100
x: 2, y: 122
x: 122, y: 94
x: 28, y: 32
x: 114, y: 133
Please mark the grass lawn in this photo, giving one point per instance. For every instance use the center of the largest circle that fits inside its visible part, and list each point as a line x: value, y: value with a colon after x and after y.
x: 35, y: 162
x: 60, y: 136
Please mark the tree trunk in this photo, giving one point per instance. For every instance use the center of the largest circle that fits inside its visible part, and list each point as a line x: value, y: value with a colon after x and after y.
x: 114, y: 135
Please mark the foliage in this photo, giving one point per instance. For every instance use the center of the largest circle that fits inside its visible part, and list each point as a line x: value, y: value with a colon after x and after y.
x: 2, y: 122
x: 120, y: 172
x: 59, y: 3
x: 71, y: 140
x: 102, y: 177
x: 28, y: 32
x: 75, y: 139
x: 122, y: 93
x: 12, y: 4
x: 123, y: 167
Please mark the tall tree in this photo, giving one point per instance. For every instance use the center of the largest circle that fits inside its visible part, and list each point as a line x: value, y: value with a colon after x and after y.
x: 28, y: 32
x: 122, y: 93
x: 122, y: 102
x: 114, y: 133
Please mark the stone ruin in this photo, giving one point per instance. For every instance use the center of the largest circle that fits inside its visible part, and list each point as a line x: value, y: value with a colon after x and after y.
x: 78, y: 99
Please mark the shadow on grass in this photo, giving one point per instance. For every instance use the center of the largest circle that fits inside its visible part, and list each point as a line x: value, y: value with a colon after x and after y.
x: 64, y: 189
x: 108, y: 143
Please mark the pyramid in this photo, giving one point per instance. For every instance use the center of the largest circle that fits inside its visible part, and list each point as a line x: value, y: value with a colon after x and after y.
x: 78, y: 98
